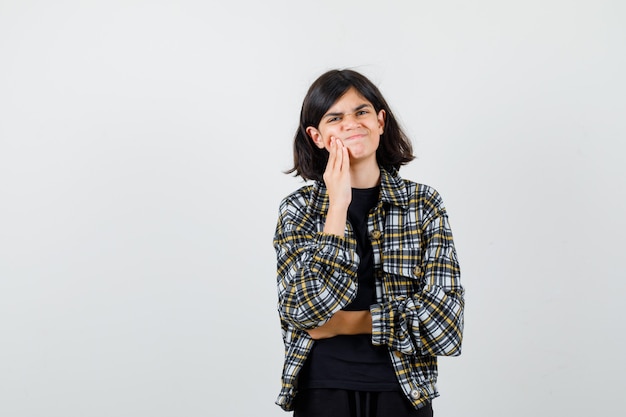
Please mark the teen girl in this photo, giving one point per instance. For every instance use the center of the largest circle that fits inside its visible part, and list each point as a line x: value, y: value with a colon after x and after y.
x: 369, y: 290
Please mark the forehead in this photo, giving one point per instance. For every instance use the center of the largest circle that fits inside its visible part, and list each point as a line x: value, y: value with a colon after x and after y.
x: 349, y: 101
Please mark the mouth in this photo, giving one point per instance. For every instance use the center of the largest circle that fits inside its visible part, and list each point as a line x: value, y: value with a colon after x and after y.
x: 353, y: 137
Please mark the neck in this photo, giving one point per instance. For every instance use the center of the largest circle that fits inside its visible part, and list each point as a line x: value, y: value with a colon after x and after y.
x: 364, y: 176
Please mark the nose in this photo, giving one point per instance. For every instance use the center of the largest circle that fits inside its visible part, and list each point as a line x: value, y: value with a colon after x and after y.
x: 350, y: 121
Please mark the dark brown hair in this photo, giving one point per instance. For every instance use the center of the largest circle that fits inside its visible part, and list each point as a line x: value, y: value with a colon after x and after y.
x: 309, y: 161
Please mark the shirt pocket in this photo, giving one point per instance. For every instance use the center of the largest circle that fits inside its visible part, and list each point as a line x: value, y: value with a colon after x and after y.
x: 403, y: 273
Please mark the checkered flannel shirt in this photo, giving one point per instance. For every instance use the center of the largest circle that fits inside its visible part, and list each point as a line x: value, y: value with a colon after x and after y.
x: 419, y: 309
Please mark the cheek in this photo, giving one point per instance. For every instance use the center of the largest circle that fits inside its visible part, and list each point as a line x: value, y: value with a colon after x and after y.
x: 326, y: 137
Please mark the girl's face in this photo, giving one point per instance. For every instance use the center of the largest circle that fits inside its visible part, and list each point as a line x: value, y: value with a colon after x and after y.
x: 353, y: 120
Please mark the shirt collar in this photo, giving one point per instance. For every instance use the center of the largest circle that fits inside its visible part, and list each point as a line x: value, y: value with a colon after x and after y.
x: 392, y: 189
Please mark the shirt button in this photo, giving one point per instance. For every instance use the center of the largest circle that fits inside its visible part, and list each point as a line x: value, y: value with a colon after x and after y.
x: 417, y: 270
x: 376, y: 234
x: 415, y: 394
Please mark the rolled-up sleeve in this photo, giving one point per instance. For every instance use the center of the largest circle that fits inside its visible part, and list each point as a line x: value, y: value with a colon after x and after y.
x: 316, y: 272
x: 429, y: 322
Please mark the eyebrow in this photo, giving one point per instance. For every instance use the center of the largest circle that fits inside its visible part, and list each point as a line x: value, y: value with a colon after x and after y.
x: 356, y: 109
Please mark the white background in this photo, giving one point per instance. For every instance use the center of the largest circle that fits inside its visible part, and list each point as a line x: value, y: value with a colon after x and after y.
x: 141, y: 150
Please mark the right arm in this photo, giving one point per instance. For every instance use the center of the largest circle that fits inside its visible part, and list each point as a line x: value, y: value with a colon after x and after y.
x: 337, y: 180
x: 317, y: 271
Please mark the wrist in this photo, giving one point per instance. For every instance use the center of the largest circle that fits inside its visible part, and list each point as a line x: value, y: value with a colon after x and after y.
x: 336, y: 219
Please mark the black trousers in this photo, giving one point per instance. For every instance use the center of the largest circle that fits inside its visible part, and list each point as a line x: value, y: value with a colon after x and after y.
x: 344, y: 403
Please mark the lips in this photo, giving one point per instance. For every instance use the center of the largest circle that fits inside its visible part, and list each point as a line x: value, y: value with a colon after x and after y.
x: 359, y: 136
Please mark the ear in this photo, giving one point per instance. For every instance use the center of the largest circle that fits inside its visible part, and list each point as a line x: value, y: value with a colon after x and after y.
x: 382, y: 115
x: 316, y: 136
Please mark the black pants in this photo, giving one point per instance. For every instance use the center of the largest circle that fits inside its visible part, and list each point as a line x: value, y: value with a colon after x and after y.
x: 343, y: 403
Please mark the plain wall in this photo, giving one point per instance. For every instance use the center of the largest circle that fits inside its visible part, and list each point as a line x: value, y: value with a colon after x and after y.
x: 141, y: 150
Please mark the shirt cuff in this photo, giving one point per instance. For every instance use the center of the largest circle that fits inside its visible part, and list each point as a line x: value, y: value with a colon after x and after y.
x: 381, y: 325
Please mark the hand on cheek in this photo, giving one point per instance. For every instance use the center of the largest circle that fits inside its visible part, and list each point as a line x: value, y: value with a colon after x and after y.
x: 338, y: 186
x: 337, y: 174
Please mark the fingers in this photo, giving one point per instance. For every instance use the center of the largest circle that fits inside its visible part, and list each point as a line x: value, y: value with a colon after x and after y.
x: 337, y: 146
x: 345, y: 158
x: 338, y: 155
x: 337, y: 174
x: 332, y: 151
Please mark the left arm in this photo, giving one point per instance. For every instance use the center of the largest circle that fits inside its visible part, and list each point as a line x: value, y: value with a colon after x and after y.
x: 344, y: 323
x: 429, y: 322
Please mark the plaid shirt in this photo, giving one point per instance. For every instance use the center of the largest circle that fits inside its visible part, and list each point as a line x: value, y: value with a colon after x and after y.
x: 419, y: 309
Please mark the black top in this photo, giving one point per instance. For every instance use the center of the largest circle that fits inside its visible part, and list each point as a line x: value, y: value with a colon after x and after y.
x: 352, y: 362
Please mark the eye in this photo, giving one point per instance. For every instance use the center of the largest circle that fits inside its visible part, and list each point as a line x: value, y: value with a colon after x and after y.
x: 362, y: 113
x: 333, y: 119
